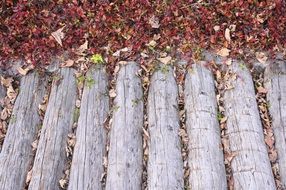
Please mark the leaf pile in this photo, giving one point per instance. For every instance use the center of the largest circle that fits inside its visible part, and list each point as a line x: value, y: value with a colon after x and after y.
x: 40, y: 29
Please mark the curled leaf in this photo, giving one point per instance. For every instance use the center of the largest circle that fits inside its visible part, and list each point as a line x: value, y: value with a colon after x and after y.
x: 227, y: 34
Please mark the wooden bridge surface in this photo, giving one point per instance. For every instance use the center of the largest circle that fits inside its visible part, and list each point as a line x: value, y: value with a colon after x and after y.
x: 250, y: 165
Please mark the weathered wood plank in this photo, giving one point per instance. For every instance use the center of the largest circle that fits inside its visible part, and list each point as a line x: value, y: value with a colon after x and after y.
x: 125, y: 157
x: 165, y: 165
x: 206, y: 161
x: 51, y: 153
x: 16, y: 155
x: 87, y: 164
x: 250, y: 164
x: 275, y: 83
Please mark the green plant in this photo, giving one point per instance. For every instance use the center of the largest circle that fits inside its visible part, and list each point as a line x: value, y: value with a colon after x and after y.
x: 97, y: 59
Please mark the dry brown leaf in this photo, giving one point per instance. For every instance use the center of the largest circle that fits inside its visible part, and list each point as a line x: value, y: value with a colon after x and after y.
x: 261, y: 90
x: 68, y: 63
x: 29, y: 176
x: 223, y: 120
x: 224, y: 52
x: 216, y: 28
x: 26, y: 70
x: 154, y: 22
x: 11, y: 93
x: 230, y: 156
x: 261, y: 57
x: 228, y: 62
x: 227, y: 34
x: 6, y: 81
x: 165, y: 60
x: 63, y: 183
x: 82, y: 48
x: 112, y: 93
x: 152, y: 43
x: 35, y: 145
x: 269, y: 141
x: 4, y: 114
x: 59, y: 35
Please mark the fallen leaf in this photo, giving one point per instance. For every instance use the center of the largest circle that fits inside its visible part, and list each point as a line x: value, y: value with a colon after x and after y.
x: 216, y: 28
x: 269, y: 141
x: 223, y: 120
x: 165, y: 60
x: 82, y: 48
x: 154, y: 22
x: 261, y: 90
x: 117, y: 53
x: 26, y: 70
x: 6, y: 81
x: 4, y: 114
x: 224, y: 52
x: 122, y: 62
x: 63, y: 183
x: 59, y: 35
x: 232, y: 27
x: 152, y: 43
x: 228, y: 62
x: 11, y: 94
x: 112, y: 93
x: 144, y: 55
x: 261, y: 57
x: 230, y: 156
x: 67, y: 63
x: 29, y: 176
x: 227, y: 34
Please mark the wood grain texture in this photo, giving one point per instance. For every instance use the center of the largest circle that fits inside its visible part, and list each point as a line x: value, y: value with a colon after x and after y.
x: 87, y: 164
x: 206, y: 161
x: 16, y: 155
x: 250, y: 164
x: 51, y: 153
x: 275, y: 83
x: 126, y: 156
x: 165, y: 165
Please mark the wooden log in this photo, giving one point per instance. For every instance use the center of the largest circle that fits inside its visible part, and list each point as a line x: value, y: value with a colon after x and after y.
x: 125, y: 157
x: 165, y: 165
x: 87, y: 164
x: 205, y: 151
x: 250, y: 163
x: 51, y: 153
x: 16, y: 155
x: 275, y: 83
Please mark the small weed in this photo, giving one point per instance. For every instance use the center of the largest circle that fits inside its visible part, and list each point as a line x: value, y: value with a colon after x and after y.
x: 13, y: 119
x: 219, y: 116
x: 76, y: 114
x: 135, y: 102
x: 115, y: 108
x: 164, y: 69
x: 97, y: 59
x: 242, y: 66
x: 80, y: 80
x: 89, y: 81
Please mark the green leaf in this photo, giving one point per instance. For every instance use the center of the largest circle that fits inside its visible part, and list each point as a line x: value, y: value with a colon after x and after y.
x: 97, y: 59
